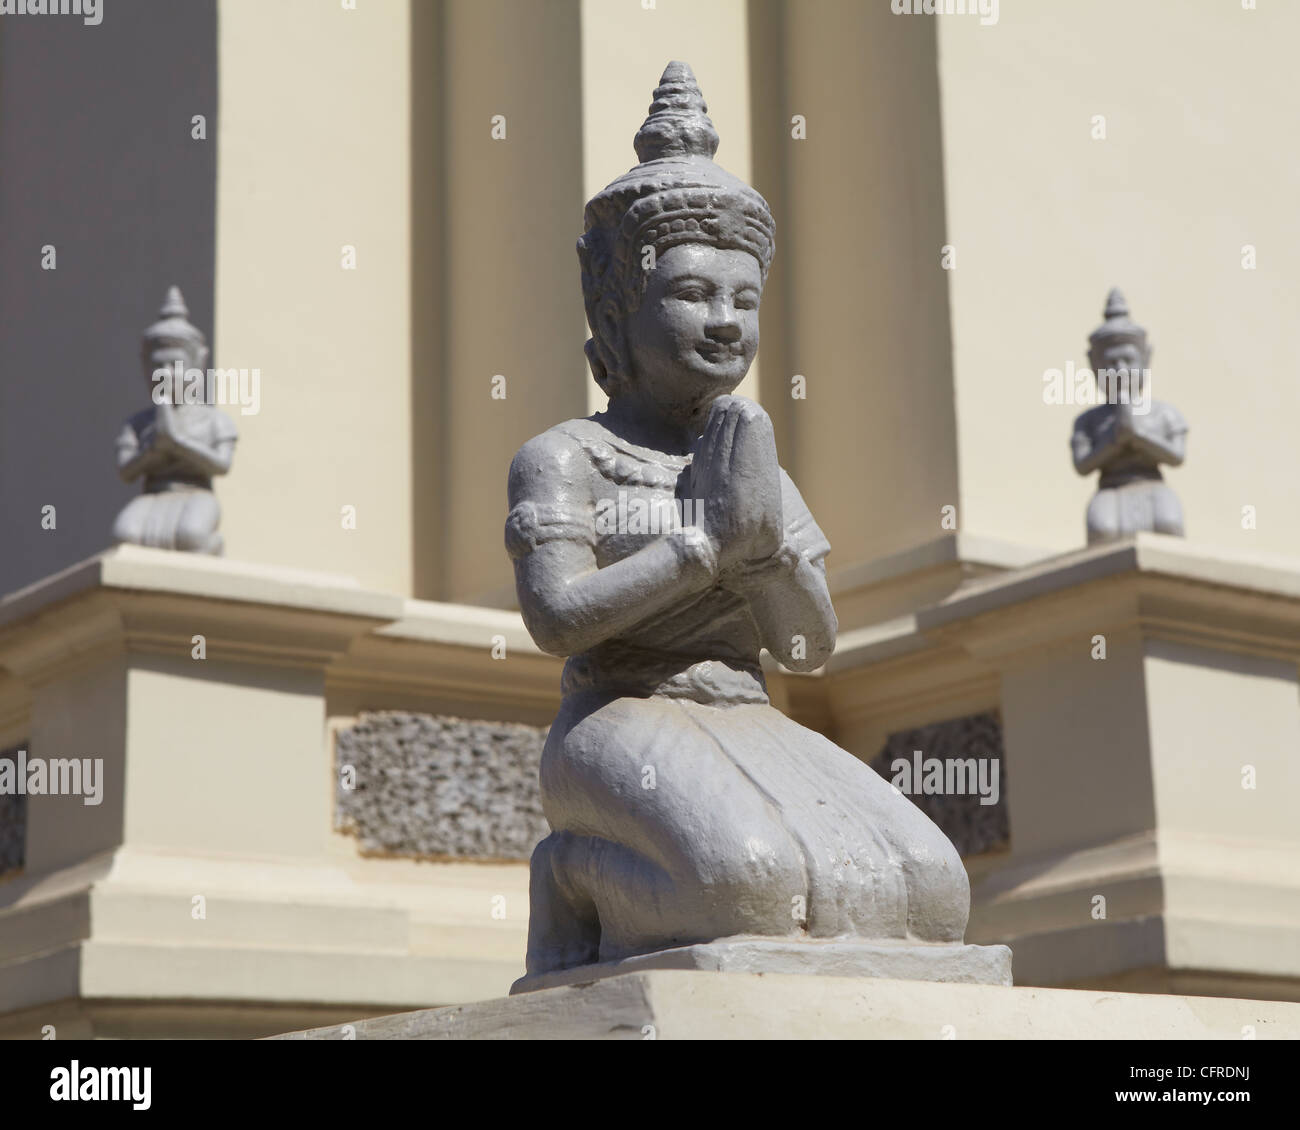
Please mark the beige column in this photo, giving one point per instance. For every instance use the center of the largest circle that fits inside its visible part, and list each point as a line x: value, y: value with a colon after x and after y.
x: 513, y: 306
x: 857, y: 303
x: 314, y: 159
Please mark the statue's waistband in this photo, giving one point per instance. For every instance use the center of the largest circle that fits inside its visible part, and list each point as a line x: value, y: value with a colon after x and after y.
x: 620, y: 668
x: 176, y: 482
x: 1111, y: 479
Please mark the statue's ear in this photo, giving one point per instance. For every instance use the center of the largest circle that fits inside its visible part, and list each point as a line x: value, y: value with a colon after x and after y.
x: 611, y: 342
x: 598, y: 369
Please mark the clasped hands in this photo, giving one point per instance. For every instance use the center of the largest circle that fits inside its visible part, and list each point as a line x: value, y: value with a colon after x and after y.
x: 735, y: 474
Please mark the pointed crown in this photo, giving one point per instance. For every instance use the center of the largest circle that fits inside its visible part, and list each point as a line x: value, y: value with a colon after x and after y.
x: 173, y: 326
x: 1118, y: 327
x: 677, y: 194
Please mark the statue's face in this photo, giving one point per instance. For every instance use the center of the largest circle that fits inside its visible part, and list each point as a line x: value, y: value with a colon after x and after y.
x: 1124, y: 358
x: 1121, y: 373
x: 695, y: 334
x: 164, y: 355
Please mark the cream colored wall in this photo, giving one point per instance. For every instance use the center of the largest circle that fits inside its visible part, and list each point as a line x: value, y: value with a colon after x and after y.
x: 1045, y: 220
x: 83, y: 716
x: 900, y: 157
x: 625, y: 48
x: 1076, y: 727
x: 1212, y: 714
x: 313, y: 136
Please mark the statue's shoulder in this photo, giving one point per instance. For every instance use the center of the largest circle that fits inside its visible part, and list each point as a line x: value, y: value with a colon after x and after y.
x: 550, y: 457
x: 562, y: 442
x: 1173, y: 419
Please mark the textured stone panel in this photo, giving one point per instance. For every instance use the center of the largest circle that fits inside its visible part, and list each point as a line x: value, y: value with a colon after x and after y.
x: 438, y: 787
x: 13, y: 824
x: 973, y: 827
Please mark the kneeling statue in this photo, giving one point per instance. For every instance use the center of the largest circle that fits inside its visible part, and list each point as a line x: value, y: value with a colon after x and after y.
x: 660, y: 546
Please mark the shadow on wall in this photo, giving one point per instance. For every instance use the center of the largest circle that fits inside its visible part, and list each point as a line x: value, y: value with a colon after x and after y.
x: 100, y: 164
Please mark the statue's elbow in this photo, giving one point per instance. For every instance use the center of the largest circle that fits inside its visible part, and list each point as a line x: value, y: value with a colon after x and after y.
x: 809, y: 653
x: 548, y: 628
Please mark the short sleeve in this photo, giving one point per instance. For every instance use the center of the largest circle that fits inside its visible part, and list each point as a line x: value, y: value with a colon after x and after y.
x: 1175, y: 424
x: 223, y: 428
x: 127, y: 438
x: 531, y: 524
x: 802, y: 534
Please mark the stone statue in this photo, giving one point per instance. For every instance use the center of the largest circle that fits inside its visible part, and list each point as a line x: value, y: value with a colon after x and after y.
x: 177, y: 446
x: 1127, y: 435
x: 659, y: 545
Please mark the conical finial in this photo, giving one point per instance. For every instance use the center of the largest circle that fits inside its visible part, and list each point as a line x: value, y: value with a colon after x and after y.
x: 678, y: 125
x: 173, y: 321
x: 1116, y: 305
x: 1116, y: 324
x: 174, y: 305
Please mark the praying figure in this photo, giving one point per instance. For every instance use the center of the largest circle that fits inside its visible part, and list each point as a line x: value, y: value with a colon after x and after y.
x: 1127, y: 435
x: 177, y: 446
x: 684, y: 807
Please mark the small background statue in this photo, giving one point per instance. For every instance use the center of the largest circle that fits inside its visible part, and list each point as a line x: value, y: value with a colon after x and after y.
x: 1127, y: 435
x: 176, y: 447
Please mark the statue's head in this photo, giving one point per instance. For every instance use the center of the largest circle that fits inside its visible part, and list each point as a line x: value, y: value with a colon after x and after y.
x: 674, y: 257
x: 172, y: 338
x: 1118, y: 347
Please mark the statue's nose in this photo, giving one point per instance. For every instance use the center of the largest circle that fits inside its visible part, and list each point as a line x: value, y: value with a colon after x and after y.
x: 723, y: 324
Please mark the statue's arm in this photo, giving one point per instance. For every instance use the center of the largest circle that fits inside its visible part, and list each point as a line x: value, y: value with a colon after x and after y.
x: 133, y: 460
x: 569, y: 604
x: 1166, y: 441
x: 1090, y: 451
x: 787, y: 593
x: 213, y: 458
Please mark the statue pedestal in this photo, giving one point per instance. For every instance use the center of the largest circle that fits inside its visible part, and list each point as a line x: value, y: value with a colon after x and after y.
x: 680, y: 1004
x: 977, y: 965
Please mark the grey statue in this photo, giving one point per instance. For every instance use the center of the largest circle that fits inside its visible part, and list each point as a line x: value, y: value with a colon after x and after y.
x: 1127, y: 435
x: 177, y: 446
x: 660, y: 546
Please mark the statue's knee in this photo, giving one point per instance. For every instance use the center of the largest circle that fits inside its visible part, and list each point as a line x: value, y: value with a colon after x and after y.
x: 197, y: 528
x: 1168, y: 514
x: 755, y: 891
x: 938, y: 897
x: 128, y: 526
x: 1103, y: 518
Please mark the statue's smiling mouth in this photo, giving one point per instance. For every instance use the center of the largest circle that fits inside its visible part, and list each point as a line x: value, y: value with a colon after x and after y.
x: 715, y: 351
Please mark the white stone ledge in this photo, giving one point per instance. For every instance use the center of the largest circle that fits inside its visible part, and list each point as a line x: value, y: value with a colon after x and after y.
x: 136, y: 569
x: 689, y: 1005
x: 951, y: 549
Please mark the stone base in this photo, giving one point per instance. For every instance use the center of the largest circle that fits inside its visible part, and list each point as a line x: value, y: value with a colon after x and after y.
x: 667, y: 1004
x: 972, y: 965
